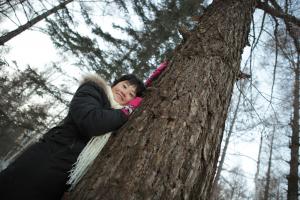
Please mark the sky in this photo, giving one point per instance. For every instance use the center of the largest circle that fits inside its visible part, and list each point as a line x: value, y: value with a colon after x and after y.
x: 32, y: 48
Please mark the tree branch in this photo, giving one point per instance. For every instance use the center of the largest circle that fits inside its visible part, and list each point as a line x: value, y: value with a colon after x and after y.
x: 276, y: 56
x: 277, y: 13
x: 6, y: 37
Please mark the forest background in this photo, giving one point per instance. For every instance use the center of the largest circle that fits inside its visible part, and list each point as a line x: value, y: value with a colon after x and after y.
x: 41, y: 67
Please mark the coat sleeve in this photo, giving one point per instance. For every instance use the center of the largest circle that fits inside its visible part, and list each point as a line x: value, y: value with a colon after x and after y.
x: 88, y: 112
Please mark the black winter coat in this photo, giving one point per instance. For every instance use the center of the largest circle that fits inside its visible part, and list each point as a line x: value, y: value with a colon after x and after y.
x: 41, y: 172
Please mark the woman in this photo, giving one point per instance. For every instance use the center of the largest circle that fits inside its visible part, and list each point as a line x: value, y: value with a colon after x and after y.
x: 41, y: 172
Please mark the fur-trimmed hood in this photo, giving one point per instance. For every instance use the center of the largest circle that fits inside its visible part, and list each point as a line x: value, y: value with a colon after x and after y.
x: 98, y: 80
x: 96, y: 143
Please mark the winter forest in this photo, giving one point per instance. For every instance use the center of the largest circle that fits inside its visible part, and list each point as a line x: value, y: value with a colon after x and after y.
x: 220, y: 123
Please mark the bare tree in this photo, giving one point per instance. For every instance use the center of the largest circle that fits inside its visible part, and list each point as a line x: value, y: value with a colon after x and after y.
x: 293, y: 177
x: 234, y: 187
x: 292, y: 25
x: 228, y: 136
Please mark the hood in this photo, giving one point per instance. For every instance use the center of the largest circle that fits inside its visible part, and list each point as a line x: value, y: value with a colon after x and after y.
x: 104, y: 85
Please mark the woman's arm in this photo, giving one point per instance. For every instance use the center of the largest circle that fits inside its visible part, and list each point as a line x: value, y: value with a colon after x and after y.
x: 88, y: 112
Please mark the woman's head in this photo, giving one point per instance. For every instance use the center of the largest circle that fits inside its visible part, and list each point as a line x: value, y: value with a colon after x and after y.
x: 127, y: 88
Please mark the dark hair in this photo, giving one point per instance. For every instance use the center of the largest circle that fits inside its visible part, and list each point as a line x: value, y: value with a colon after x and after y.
x: 133, y: 80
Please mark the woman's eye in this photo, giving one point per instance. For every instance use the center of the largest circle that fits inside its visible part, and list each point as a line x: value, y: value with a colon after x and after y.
x: 124, y: 86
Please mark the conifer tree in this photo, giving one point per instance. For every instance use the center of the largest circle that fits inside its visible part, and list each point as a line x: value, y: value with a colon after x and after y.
x: 170, y: 147
x: 145, y: 46
x: 22, y: 120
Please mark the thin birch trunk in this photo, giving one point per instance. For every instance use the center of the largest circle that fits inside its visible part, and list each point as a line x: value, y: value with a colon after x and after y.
x: 268, y: 173
x: 256, y: 182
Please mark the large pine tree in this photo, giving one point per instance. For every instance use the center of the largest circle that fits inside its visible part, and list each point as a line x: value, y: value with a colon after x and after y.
x: 170, y: 147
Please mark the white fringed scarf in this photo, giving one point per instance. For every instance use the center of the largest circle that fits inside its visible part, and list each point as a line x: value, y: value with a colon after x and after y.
x: 95, y: 144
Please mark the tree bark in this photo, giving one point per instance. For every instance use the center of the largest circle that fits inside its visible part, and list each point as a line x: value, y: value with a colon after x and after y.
x: 6, y: 37
x: 293, y: 178
x: 170, y: 147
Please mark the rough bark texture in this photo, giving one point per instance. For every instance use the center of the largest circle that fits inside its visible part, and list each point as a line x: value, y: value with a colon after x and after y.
x: 293, y: 177
x: 170, y: 147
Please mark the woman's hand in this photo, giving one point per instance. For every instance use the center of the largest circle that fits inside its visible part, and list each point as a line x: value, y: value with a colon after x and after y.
x: 156, y: 73
x: 132, y: 105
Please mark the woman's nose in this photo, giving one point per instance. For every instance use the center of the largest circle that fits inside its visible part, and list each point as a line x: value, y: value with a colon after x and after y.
x: 123, y: 93
x: 126, y: 94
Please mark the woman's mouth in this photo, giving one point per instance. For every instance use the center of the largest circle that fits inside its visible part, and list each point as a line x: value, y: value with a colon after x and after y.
x: 120, y: 96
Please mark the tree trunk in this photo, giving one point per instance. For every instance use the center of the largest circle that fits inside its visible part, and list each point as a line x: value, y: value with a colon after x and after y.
x: 6, y: 37
x: 293, y: 178
x: 256, y: 181
x: 290, y: 22
x: 170, y: 147
x: 268, y: 174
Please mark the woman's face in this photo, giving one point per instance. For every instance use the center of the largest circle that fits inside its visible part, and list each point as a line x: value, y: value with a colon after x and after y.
x: 123, y: 92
